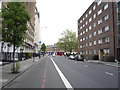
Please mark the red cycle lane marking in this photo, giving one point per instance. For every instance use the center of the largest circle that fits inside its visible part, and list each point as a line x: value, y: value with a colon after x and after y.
x: 44, y: 76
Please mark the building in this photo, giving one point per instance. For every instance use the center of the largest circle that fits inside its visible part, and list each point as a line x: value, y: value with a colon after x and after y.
x: 33, y: 27
x: 97, y: 30
x: 37, y: 38
x: 31, y: 42
x: 118, y: 31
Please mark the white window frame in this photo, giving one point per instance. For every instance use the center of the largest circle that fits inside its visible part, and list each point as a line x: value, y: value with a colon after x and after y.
x: 94, y: 25
x: 106, y: 17
x: 94, y: 16
x: 99, y: 2
x: 90, y: 12
x: 106, y: 28
x: 90, y: 19
x: 100, y: 11
x: 106, y: 6
x: 90, y: 27
x: 94, y: 7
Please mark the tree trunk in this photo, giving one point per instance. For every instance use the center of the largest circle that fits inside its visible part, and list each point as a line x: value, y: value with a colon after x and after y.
x: 14, y: 58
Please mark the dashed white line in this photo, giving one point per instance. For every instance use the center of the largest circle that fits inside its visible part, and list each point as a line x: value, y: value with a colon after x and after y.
x: 64, y: 79
x: 86, y: 65
x: 109, y: 73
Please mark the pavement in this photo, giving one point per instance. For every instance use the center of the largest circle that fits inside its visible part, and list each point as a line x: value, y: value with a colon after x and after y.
x: 113, y: 64
x: 6, y: 77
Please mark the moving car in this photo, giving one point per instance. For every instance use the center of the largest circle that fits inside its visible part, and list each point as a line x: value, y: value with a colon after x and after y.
x: 79, y: 57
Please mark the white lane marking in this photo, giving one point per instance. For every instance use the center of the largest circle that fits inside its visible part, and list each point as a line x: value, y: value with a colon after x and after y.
x: 109, y: 73
x: 64, y: 79
x: 86, y: 65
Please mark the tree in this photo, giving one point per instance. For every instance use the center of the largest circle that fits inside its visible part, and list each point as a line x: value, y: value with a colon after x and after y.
x: 43, y: 47
x: 14, y: 25
x: 68, y: 42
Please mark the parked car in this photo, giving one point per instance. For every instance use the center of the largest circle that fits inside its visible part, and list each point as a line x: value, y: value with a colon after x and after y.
x: 72, y: 57
x: 79, y: 57
x: 53, y: 54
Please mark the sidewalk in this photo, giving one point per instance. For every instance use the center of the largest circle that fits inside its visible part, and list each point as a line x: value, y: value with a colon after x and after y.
x: 113, y: 64
x: 7, y: 77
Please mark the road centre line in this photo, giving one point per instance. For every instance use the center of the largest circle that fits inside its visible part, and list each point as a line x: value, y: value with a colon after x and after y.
x: 109, y: 73
x: 64, y: 79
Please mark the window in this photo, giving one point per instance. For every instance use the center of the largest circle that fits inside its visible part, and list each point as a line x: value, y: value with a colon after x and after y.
x: 100, y: 11
x: 95, y: 52
x: 90, y: 27
x: 94, y: 7
x: 86, y: 52
x: 81, y: 40
x: 86, y: 22
x: 80, y: 46
x: 106, y: 51
x: 107, y: 39
x: 90, y: 19
x: 81, y: 27
x: 99, y: 31
x: 100, y: 41
x: 94, y: 25
x: 99, y: 21
x: 94, y: 16
x: 86, y: 15
x: 80, y: 21
x: 95, y: 42
x: 86, y: 37
x: 90, y: 35
x: 103, y: 40
x: 83, y: 45
x: 86, y: 44
x: 106, y: 28
x: 90, y: 11
x: 106, y: 6
x: 83, y: 19
x: 83, y: 32
x: 90, y: 52
x: 106, y: 17
x: 95, y: 33
x: 86, y: 30
x: 90, y: 44
x: 99, y: 2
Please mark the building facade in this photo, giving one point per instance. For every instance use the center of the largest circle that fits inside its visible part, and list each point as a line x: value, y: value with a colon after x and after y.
x: 31, y: 36
x: 97, y: 30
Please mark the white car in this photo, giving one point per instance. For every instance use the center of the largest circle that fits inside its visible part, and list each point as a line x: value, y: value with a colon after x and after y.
x: 53, y: 55
x: 71, y: 57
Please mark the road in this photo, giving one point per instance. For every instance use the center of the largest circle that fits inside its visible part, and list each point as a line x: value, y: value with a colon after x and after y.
x: 60, y: 72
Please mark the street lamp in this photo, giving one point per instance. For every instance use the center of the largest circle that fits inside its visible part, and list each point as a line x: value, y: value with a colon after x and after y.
x: 34, y: 53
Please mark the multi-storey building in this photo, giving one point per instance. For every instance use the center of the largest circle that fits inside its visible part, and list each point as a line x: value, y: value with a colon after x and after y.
x: 118, y: 32
x: 29, y: 42
x: 97, y: 30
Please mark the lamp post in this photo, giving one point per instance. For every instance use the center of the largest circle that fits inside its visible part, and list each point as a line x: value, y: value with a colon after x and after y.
x: 34, y: 53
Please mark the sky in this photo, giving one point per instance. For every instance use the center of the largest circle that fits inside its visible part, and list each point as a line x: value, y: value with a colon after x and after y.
x: 59, y: 15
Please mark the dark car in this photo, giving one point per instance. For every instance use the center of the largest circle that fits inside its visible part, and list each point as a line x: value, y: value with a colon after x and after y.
x: 79, y: 57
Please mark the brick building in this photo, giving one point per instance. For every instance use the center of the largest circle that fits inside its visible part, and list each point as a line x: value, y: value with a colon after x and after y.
x: 97, y: 29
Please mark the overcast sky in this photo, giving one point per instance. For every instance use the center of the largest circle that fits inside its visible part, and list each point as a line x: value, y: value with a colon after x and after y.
x: 59, y: 15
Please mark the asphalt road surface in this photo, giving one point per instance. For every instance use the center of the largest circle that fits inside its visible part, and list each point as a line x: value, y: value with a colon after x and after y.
x: 61, y: 72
